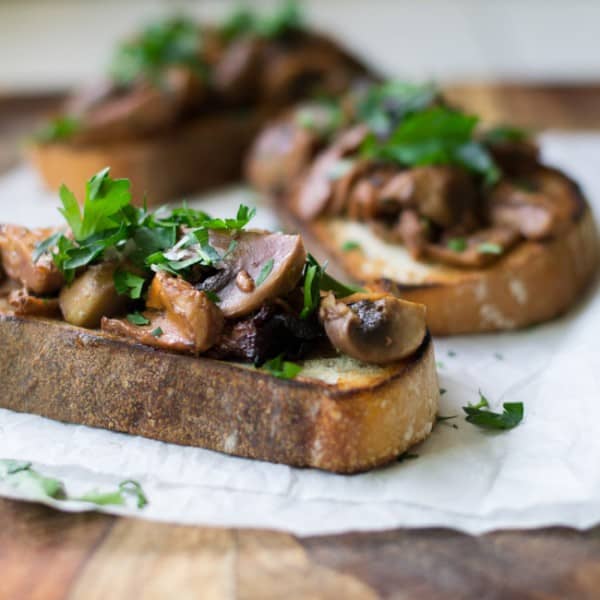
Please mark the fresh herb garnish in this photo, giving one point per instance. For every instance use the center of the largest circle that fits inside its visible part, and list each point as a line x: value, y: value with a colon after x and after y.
x: 246, y: 22
x: 22, y: 476
x: 435, y: 136
x: 407, y: 456
x: 265, y: 272
x: 137, y: 318
x: 504, y: 133
x: 212, y: 296
x: 489, y: 248
x: 162, y: 44
x: 157, y: 332
x: 282, y: 369
x: 58, y: 129
x: 479, y: 414
x: 349, y: 245
x: 444, y: 420
x: 442, y: 391
x: 385, y: 105
x: 317, y: 280
x: 457, y: 244
x: 128, y: 284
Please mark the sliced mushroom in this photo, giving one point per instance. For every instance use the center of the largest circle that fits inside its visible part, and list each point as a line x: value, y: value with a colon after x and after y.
x: 17, y: 245
x: 91, y: 296
x: 312, y: 197
x: 375, y: 328
x: 23, y: 303
x: 541, y: 206
x: 279, y: 155
x: 273, y: 261
x: 180, y: 318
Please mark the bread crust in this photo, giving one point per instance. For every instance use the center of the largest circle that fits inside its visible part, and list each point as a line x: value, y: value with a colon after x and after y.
x: 197, y: 155
x: 367, y: 418
x: 534, y: 282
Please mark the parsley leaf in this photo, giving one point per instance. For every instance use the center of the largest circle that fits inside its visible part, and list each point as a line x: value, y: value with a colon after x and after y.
x: 317, y: 280
x: 504, y: 133
x: 157, y: 332
x: 479, y: 414
x: 435, y: 136
x: 265, y: 272
x: 137, y: 318
x: 118, y: 497
x: 349, y: 245
x: 161, y: 44
x: 246, y: 22
x: 282, y: 369
x: 58, y: 129
x: 128, y: 284
x: 457, y: 244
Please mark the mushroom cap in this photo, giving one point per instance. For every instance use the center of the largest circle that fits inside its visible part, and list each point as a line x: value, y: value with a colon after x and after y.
x: 373, y: 328
x: 253, y: 254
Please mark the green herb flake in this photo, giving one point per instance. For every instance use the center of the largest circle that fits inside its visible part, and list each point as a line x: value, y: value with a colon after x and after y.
x: 407, y: 456
x: 489, y: 248
x: 451, y: 353
x: 480, y: 415
x: 350, y: 245
x: 212, y: 296
x: 443, y: 391
x: 282, y: 369
x: 505, y: 133
x: 457, y: 244
x: 128, y: 284
x: 117, y: 497
x: 58, y: 129
x: 137, y: 318
x: 265, y: 272
x: 157, y: 332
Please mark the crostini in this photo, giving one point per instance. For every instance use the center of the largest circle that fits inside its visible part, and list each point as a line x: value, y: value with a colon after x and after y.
x: 195, y: 330
x: 405, y: 192
x: 183, y: 101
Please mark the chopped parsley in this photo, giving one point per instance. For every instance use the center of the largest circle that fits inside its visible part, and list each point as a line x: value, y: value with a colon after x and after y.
x: 244, y: 21
x: 282, y: 369
x: 137, y: 318
x: 157, y: 332
x: 212, y: 296
x: 265, y: 272
x: 489, y: 248
x: 22, y: 476
x: 480, y: 415
x: 349, y: 245
x: 161, y: 44
x: 317, y: 280
x: 58, y: 129
x: 504, y: 133
x: 128, y: 284
x: 457, y: 244
x: 438, y: 135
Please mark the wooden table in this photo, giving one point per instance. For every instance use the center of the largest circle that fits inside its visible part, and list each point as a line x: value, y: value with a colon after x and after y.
x: 47, y: 555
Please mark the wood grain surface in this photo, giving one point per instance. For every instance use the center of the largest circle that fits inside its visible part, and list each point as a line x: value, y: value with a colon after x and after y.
x: 47, y: 555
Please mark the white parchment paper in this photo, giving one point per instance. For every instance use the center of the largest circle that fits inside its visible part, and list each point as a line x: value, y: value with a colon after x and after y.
x: 544, y: 472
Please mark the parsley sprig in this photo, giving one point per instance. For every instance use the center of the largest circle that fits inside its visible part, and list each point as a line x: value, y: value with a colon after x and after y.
x: 109, y: 225
x: 480, y: 414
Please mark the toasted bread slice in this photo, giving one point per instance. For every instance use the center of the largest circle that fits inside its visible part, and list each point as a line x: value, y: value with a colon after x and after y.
x: 534, y: 282
x: 198, y: 155
x: 339, y: 414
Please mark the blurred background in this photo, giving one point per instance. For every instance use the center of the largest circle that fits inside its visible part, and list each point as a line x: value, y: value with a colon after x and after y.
x: 51, y: 44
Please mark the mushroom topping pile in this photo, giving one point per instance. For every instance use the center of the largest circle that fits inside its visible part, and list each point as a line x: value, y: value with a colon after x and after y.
x: 419, y: 173
x: 177, y: 69
x: 186, y: 282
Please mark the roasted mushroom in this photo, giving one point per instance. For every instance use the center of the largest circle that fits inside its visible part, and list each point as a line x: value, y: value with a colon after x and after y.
x: 91, y: 296
x: 17, y: 245
x: 273, y: 261
x: 373, y: 328
x: 179, y: 317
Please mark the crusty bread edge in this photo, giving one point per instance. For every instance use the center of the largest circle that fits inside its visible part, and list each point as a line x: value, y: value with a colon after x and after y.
x: 79, y: 376
x: 535, y: 282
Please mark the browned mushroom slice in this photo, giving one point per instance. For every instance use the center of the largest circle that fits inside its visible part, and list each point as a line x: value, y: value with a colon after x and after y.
x: 482, y: 248
x: 515, y: 157
x: 23, y: 303
x: 316, y: 190
x: 91, y: 296
x: 542, y: 205
x: 17, y: 245
x: 180, y: 318
x: 445, y: 195
x: 279, y: 155
x: 272, y: 261
x: 375, y: 328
